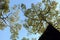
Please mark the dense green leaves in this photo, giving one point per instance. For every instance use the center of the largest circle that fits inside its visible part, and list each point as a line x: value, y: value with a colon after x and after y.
x: 2, y: 25
x: 5, y: 6
x: 14, y: 29
x: 24, y: 38
x: 27, y: 12
x: 11, y: 19
x: 39, y: 17
x: 23, y: 7
x: 0, y: 12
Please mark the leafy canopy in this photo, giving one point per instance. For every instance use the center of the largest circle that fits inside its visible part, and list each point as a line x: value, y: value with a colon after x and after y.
x: 9, y: 19
x: 40, y: 15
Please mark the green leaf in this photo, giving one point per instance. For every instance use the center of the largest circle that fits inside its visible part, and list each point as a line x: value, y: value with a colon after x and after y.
x: 2, y: 25
x: 0, y: 12
x: 23, y: 7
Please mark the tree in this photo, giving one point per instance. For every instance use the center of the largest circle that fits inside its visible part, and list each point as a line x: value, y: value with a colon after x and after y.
x: 8, y: 18
x: 40, y: 15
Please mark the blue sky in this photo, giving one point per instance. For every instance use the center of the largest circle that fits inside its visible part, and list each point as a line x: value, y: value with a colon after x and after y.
x: 5, y: 34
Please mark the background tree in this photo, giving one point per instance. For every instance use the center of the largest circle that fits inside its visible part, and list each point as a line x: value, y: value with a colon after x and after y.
x: 9, y: 19
x: 40, y: 15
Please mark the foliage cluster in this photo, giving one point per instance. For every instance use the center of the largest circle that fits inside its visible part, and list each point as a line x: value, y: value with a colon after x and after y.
x: 39, y: 16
